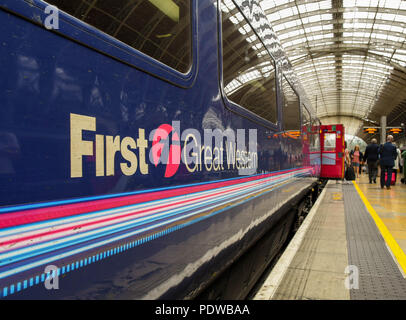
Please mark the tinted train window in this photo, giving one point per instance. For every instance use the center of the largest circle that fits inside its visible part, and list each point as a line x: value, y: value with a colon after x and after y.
x: 158, y: 28
x: 248, y: 70
x: 291, y: 107
x: 330, y: 141
x: 306, y: 120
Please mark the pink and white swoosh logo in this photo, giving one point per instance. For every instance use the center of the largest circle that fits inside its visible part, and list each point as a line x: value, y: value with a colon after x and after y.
x: 173, y: 161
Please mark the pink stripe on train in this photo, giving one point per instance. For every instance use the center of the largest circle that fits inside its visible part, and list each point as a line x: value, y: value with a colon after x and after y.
x: 18, y: 218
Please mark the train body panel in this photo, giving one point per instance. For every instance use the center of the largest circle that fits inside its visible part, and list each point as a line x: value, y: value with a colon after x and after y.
x: 85, y: 126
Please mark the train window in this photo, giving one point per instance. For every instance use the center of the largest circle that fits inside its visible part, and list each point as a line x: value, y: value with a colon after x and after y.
x: 309, y: 125
x: 158, y: 28
x: 291, y: 107
x: 329, y: 142
x: 248, y: 69
x: 306, y: 119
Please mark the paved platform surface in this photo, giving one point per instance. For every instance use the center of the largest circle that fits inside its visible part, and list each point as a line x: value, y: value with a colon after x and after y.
x: 342, y: 254
x: 390, y: 205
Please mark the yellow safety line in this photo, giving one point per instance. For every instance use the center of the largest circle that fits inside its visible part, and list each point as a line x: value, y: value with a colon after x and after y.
x: 390, y: 241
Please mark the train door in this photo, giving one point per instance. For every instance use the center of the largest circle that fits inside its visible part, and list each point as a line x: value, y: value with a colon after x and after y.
x: 332, y: 151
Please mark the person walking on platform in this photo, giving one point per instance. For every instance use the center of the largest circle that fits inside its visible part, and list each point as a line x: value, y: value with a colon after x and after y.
x: 397, y: 162
x: 387, y: 155
x: 349, y: 170
x: 404, y: 165
x: 347, y: 156
x: 371, y: 157
x: 356, y: 158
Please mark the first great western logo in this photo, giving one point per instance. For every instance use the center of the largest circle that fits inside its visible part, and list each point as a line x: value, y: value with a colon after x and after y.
x: 166, y: 145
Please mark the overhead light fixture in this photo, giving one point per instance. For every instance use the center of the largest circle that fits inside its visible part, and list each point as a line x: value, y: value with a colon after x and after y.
x: 167, y: 7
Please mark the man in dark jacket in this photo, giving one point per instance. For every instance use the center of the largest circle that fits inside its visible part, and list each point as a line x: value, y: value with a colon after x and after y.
x: 371, y: 156
x: 387, y: 155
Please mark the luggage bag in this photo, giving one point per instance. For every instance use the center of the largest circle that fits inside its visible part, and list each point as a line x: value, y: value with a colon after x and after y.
x: 393, y: 180
x: 350, y: 174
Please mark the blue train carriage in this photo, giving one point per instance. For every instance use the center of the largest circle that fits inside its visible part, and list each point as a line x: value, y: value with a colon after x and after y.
x: 145, y: 146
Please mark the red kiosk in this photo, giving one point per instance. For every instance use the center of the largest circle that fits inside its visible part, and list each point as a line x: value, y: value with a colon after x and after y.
x: 332, y: 151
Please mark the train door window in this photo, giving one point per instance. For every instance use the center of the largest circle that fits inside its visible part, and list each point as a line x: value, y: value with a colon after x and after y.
x: 329, y: 142
x: 313, y: 129
x: 248, y: 69
x: 291, y: 107
x: 306, y: 119
x: 158, y: 28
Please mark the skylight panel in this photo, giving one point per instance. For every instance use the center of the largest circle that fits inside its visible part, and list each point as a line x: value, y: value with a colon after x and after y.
x: 232, y: 86
x: 242, y: 31
x: 267, y: 4
x: 400, y: 57
x: 382, y: 26
x: 395, y: 38
x: 318, y: 37
x: 291, y: 24
x: 325, y: 4
x: 278, y: 27
x: 286, y: 13
x: 326, y: 16
x: 234, y: 20
x: 257, y: 46
x: 304, y: 72
x: 297, y: 32
x: 262, y: 53
x: 301, y: 8
x: 361, y: 15
x: 252, y: 38
x: 349, y: 15
x: 348, y: 3
x: 247, y: 28
x: 311, y: 6
x: 358, y: 25
x: 314, y: 18
x: 378, y: 36
x: 386, y: 16
x: 239, y: 16
x: 295, y: 42
x: 249, y: 76
x: 285, y: 36
x: 400, y: 18
x: 316, y: 28
x: 361, y: 3
x: 371, y: 15
x: 400, y: 51
x: 392, y: 4
x: 361, y: 34
x: 396, y: 29
x: 274, y: 17
x: 229, y: 5
x: 297, y: 57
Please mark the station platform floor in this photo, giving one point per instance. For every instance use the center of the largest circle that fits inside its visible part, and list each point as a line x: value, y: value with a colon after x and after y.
x: 351, y: 246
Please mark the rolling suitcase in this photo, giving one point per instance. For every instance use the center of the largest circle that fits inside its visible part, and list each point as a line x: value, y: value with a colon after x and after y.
x: 393, y: 179
x: 350, y: 174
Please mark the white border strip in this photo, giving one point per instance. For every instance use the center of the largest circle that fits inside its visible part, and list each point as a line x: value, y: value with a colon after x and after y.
x: 274, y: 279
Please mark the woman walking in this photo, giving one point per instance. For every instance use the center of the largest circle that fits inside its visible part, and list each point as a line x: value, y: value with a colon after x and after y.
x: 356, y: 158
x: 404, y: 166
x: 397, y: 162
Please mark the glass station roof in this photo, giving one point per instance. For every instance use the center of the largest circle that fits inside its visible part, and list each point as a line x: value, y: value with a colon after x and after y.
x: 349, y: 55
